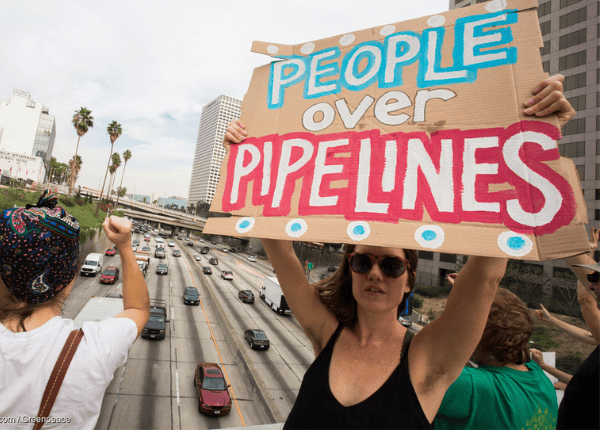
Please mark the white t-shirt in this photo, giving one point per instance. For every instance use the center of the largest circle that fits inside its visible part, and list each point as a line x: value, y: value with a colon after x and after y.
x: 27, y: 360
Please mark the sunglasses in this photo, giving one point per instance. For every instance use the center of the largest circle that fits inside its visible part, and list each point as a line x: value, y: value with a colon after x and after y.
x: 391, y: 267
x: 593, y: 278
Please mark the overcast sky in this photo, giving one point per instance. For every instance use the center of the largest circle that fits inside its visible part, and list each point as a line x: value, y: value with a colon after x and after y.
x: 142, y: 63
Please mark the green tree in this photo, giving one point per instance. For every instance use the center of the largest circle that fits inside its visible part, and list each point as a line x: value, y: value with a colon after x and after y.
x: 202, y: 208
x: 116, y: 162
x: 126, y: 157
x: 74, y: 168
x: 114, y: 130
x: 82, y: 121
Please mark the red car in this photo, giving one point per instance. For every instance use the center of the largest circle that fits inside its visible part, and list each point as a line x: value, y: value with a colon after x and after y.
x: 213, y: 393
x: 111, y: 252
x: 110, y: 275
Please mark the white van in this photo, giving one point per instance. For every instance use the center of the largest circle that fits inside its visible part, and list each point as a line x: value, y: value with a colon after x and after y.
x: 92, y: 265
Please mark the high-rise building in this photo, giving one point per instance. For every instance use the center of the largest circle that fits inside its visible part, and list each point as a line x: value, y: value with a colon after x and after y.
x: 209, y: 153
x: 570, y: 30
x: 26, y: 127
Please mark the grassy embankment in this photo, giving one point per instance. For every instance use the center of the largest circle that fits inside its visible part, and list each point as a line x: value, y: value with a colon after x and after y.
x: 570, y: 353
x: 83, y: 211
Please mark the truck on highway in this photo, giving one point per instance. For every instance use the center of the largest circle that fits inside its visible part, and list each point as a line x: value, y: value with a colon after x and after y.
x: 97, y: 308
x: 271, y: 293
x: 157, y: 323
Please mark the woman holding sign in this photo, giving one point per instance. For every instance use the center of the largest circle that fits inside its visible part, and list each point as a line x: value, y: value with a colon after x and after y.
x: 368, y: 373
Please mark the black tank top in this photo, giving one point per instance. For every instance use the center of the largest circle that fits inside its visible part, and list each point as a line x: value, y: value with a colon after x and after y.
x: 395, y: 405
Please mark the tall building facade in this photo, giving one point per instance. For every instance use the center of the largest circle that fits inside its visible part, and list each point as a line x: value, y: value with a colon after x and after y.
x: 570, y: 30
x: 26, y: 127
x: 209, y: 153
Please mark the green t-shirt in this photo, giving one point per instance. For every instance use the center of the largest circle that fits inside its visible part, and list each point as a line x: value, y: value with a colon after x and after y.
x: 499, y: 398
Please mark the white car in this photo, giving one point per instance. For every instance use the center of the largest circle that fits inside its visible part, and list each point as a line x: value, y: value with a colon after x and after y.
x: 159, y: 240
x: 134, y: 248
x: 197, y: 257
x: 171, y: 243
x: 225, y: 250
x: 252, y: 258
x: 227, y: 275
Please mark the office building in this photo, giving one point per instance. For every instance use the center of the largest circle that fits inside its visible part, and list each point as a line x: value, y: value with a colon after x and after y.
x: 26, y: 127
x: 570, y: 31
x: 209, y: 153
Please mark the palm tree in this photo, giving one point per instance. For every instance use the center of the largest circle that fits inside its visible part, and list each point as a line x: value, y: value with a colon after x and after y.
x: 126, y: 157
x: 116, y: 162
x: 82, y: 121
x: 114, y: 130
x: 74, y: 168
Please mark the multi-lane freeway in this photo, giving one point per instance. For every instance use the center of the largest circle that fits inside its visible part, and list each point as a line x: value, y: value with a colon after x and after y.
x: 154, y: 389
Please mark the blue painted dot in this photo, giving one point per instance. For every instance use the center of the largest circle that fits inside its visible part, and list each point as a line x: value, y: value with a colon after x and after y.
x: 516, y: 243
x: 429, y: 235
x: 296, y: 227
x: 358, y: 230
x: 245, y: 224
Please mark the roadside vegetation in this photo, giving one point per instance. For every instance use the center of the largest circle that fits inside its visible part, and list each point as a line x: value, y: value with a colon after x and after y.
x: 83, y: 209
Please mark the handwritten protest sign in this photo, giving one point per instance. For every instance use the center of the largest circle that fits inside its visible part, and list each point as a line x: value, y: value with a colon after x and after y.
x: 408, y: 135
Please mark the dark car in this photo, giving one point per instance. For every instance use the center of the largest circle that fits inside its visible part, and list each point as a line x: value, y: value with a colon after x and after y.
x: 212, y: 390
x: 177, y: 253
x: 191, y: 296
x: 204, y: 250
x: 213, y: 261
x: 257, y: 339
x: 111, y: 252
x: 162, y: 269
x: 232, y: 250
x: 156, y: 326
x: 331, y: 269
x: 207, y: 270
x: 136, y: 242
x: 190, y: 243
x: 247, y: 296
x: 110, y: 275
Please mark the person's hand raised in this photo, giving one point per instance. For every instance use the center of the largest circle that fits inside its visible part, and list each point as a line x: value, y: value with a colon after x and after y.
x: 451, y: 278
x: 543, y: 314
x: 236, y: 133
x: 549, y: 98
x: 594, y: 238
x: 118, y: 230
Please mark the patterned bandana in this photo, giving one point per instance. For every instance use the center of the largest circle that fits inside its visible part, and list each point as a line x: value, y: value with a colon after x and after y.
x: 39, y: 249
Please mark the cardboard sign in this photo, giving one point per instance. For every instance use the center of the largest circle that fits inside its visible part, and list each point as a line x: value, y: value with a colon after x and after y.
x: 406, y: 135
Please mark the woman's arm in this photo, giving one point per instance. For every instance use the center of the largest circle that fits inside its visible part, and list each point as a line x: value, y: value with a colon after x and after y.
x: 558, y: 374
x: 576, y: 332
x: 590, y: 311
x: 136, y: 302
x: 316, y: 320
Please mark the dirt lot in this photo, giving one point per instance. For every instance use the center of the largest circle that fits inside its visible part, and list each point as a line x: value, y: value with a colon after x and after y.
x: 570, y: 352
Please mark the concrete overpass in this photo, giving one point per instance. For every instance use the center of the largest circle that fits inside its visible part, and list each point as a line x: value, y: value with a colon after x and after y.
x: 197, y: 224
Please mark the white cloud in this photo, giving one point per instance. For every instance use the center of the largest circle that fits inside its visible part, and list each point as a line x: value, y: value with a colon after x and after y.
x: 134, y: 62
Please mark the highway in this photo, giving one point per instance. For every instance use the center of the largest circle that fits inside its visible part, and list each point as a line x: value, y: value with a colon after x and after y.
x: 154, y: 389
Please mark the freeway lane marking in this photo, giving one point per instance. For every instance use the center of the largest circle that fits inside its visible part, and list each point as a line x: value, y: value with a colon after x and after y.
x: 217, y: 348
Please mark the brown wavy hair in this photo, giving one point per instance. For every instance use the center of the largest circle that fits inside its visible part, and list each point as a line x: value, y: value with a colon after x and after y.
x: 335, y: 292
x: 508, y: 329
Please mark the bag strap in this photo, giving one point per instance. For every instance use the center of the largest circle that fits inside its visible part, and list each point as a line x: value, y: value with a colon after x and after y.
x: 405, y: 343
x: 58, y: 375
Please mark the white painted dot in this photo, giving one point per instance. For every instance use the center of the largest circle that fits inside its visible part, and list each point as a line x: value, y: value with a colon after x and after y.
x: 495, y: 6
x: 296, y: 227
x: 347, y: 39
x: 436, y: 21
x: 358, y: 230
x: 307, y: 48
x: 387, y: 30
x: 430, y: 236
x: 244, y: 225
x: 514, y: 244
x: 272, y: 49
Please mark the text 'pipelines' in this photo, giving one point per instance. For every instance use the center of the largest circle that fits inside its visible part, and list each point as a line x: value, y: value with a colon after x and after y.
x: 369, y: 177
